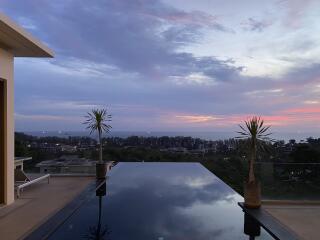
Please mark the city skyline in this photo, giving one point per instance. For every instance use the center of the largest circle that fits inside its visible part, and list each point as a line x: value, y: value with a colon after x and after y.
x: 170, y: 65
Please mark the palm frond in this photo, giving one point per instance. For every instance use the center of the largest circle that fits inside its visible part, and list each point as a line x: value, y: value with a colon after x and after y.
x: 254, y: 128
x: 97, y: 119
x: 256, y: 133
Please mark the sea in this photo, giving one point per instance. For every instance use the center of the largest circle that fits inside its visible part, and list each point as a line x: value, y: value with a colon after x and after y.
x: 286, y: 136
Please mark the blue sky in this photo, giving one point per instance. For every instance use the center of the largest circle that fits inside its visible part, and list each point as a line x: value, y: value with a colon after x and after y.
x: 173, y: 65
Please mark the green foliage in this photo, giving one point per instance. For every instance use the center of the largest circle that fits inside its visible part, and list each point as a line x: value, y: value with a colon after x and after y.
x: 256, y: 134
x: 138, y: 154
x: 227, y: 161
x: 231, y: 171
x: 305, y: 153
x: 97, y: 120
x: 21, y: 149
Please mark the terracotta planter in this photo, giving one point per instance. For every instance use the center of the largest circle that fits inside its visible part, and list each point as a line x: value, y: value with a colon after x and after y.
x: 101, y: 170
x: 252, y: 194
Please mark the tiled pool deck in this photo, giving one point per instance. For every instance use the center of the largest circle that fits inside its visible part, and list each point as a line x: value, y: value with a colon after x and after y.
x: 37, y: 204
x: 301, y: 217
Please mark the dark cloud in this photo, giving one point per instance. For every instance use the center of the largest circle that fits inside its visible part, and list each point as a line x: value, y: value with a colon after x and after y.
x: 254, y: 25
x: 302, y: 75
x: 136, y: 36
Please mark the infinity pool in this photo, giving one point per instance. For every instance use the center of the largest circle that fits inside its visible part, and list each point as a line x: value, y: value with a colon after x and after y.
x: 158, y: 201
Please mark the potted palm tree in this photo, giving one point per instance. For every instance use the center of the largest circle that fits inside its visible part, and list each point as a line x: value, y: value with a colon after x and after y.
x: 256, y: 134
x: 97, y: 121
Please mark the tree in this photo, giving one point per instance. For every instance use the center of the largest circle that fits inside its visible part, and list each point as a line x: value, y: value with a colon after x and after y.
x: 256, y: 133
x: 97, y: 121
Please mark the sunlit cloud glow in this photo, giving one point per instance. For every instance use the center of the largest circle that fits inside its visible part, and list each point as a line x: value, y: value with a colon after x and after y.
x: 170, y: 64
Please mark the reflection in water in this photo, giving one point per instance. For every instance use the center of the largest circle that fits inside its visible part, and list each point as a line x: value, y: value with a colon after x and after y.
x: 251, y: 227
x: 154, y: 201
x: 96, y: 232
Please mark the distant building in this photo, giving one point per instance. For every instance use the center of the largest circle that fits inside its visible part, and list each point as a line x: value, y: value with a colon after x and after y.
x: 175, y: 150
x: 18, y: 162
x: 68, y: 148
x: 68, y: 164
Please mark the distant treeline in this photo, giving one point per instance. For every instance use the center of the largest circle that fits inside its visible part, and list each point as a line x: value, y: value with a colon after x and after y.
x: 279, y: 151
x: 226, y: 158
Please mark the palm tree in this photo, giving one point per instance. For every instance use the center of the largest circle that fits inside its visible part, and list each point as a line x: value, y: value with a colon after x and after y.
x: 97, y: 121
x: 256, y: 133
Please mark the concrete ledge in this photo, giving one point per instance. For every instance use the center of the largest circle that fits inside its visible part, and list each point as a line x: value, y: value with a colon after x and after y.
x: 270, y: 224
x: 72, y: 175
x: 291, y: 202
x: 300, y: 217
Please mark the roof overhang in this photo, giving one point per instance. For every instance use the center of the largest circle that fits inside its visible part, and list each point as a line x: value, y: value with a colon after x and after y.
x: 20, y: 43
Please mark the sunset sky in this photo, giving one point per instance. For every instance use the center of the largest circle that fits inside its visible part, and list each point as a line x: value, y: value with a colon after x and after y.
x: 170, y: 65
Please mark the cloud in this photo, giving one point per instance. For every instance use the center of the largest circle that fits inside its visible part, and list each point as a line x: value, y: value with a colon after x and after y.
x: 196, y: 118
x: 303, y: 110
x: 27, y: 23
x: 296, y: 10
x: 137, y: 36
x: 311, y: 102
x: 40, y: 117
x: 45, y: 122
x: 254, y: 25
x: 263, y: 93
x: 231, y: 120
x: 139, y: 59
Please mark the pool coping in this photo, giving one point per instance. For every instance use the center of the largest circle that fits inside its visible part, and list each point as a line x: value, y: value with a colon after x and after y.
x: 53, y: 223
x: 275, y: 228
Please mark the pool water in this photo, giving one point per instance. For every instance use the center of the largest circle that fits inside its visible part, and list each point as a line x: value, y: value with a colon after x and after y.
x: 159, y: 201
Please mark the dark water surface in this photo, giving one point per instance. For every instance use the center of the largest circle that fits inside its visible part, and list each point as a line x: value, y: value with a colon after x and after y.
x: 159, y: 201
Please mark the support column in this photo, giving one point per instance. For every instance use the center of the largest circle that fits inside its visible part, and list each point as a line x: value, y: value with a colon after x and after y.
x: 7, y: 128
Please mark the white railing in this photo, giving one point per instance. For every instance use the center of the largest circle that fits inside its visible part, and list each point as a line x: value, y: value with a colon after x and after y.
x: 22, y: 186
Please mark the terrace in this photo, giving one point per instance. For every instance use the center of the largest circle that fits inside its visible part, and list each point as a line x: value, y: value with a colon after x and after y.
x: 159, y: 195
x: 152, y: 201
x: 37, y: 204
x: 139, y: 200
x: 301, y: 217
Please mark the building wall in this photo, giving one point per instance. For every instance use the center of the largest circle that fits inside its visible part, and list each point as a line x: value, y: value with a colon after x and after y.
x: 2, y: 138
x: 7, y: 123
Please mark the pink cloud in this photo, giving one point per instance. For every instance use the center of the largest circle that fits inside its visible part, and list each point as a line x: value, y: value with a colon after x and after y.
x: 303, y: 110
x: 285, y: 118
x: 197, y: 118
x: 295, y: 11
